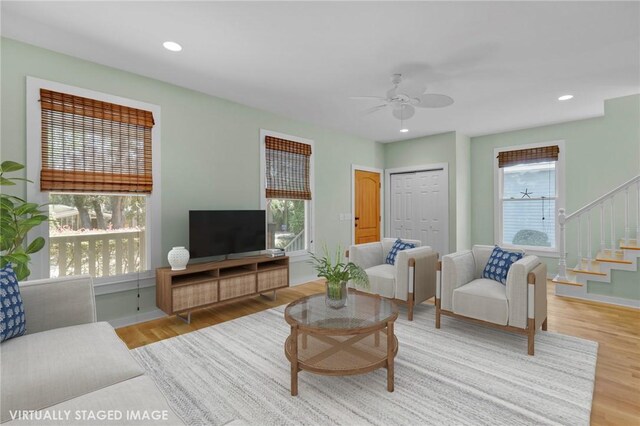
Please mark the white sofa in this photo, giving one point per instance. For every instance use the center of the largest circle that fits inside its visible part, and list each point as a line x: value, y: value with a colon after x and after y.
x: 412, y: 279
x: 519, y: 306
x: 69, y: 363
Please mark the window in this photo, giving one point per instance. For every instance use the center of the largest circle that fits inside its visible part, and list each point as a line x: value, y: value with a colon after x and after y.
x: 287, y: 198
x: 528, y: 197
x: 97, y: 234
x: 286, y: 220
x: 96, y: 174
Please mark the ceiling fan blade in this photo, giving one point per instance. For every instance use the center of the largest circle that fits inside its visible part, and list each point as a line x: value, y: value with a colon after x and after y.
x: 434, y: 100
x: 374, y: 109
x: 371, y: 98
x: 405, y: 112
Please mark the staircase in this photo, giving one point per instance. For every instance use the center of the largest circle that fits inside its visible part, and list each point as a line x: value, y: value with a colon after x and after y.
x: 599, y: 246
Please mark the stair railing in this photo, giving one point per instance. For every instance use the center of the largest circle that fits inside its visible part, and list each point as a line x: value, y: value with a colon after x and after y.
x: 600, y: 202
x: 297, y: 243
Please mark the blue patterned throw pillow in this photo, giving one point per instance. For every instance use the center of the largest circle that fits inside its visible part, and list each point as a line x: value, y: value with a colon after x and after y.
x: 499, y: 263
x: 12, y: 311
x: 399, y: 245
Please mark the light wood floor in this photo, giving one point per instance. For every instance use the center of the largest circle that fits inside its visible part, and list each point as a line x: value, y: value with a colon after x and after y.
x: 617, y: 390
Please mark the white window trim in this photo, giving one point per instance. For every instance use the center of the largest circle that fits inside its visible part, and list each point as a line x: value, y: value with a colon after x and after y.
x: 40, y: 260
x: 300, y: 255
x: 497, y: 191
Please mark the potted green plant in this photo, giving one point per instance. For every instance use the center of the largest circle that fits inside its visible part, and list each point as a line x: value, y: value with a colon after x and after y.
x: 17, y: 218
x: 338, y: 273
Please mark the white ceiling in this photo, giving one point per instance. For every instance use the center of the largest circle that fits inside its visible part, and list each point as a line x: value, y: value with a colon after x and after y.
x: 504, y: 63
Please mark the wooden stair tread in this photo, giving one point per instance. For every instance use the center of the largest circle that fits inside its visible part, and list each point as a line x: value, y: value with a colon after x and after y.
x: 609, y: 254
x: 584, y: 271
x: 614, y: 260
x: 629, y: 247
x: 566, y: 282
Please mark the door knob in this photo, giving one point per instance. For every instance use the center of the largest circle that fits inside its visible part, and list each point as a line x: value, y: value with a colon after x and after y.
x: 356, y: 218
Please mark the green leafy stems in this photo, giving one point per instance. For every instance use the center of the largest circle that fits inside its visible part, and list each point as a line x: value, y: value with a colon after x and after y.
x: 336, y: 271
x: 17, y: 218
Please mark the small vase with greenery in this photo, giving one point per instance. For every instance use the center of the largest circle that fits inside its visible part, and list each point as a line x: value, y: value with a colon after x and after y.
x: 338, y: 273
x: 17, y: 218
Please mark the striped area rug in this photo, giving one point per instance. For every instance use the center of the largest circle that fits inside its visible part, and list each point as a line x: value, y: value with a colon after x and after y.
x: 462, y: 374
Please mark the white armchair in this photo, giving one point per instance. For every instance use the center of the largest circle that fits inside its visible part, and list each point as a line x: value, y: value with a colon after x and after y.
x: 519, y: 306
x: 412, y: 279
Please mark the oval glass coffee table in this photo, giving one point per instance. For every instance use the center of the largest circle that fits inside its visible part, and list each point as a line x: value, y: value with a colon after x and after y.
x: 341, y: 342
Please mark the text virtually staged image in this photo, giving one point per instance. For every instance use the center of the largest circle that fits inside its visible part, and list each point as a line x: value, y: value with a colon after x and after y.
x: 319, y: 213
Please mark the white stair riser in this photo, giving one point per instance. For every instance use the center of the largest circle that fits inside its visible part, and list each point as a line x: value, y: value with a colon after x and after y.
x: 605, y: 267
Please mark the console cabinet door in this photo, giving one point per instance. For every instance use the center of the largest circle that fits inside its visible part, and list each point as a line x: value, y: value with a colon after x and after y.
x: 191, y: 296
x: 273, y: 279
x: 237, y: 286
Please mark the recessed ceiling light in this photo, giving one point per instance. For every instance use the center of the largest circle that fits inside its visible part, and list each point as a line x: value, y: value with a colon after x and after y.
x: 404, y: 130
x: 565, y: 97
x: 172, y: 46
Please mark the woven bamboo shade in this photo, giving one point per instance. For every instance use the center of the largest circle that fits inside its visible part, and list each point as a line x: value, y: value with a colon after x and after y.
x: 287, y: 169
x: 527, y: 156
x: 94, y: 146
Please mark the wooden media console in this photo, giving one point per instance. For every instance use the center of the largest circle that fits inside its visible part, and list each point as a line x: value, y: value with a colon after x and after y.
x: 209, y: 284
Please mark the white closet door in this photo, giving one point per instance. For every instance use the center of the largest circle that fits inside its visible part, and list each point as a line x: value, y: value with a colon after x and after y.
x: 403, y: 207
x: 431, y: 209
x: 418, y: 207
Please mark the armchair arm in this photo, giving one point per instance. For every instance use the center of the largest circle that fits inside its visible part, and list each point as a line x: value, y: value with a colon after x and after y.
x: 518, y: 280
x: 58, y: 302
x: 458, y: 269
x: 538, y: 277
x: 424, y: 260
x: 366, y: 255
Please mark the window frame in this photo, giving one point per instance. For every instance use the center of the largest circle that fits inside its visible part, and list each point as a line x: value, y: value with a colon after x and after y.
x: 498, y: 184
x: 299, y: 255
x: 153, y: 227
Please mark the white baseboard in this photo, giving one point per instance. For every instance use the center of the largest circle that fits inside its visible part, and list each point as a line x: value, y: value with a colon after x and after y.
x: 137, y: 318
x: 303, y: 280
x: 610, y: 300
x: 581, y: 293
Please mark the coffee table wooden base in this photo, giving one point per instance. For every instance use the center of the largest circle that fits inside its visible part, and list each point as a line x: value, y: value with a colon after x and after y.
x: 342, y: 354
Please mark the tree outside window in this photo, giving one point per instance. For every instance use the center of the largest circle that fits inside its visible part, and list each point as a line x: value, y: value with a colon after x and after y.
x: 286, y: 221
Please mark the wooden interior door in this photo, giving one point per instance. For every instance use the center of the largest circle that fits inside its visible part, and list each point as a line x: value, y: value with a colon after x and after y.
x: 367, y: 214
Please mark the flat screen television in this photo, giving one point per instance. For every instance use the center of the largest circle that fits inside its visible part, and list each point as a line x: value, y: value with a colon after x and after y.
x: 222, y: 232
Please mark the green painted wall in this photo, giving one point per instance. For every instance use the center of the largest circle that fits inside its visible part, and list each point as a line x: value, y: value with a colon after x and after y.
x: 209, y: 150
x: 123, y: 304
x: 428, y: 150
x: 210, y: 158
x: 601, y: 153
x: 463, y: 192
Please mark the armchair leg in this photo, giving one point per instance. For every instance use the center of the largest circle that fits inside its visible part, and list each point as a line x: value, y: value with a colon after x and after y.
x: 544, y: 324
x: 410, y: 303
x: 531, y: 335
x: 437, y: 313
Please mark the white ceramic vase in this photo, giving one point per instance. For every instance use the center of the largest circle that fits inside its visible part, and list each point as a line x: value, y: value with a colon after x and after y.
x: 178, y: 258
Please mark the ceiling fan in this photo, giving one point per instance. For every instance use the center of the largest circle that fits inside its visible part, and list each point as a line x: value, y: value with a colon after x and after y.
x: 404, y: 104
